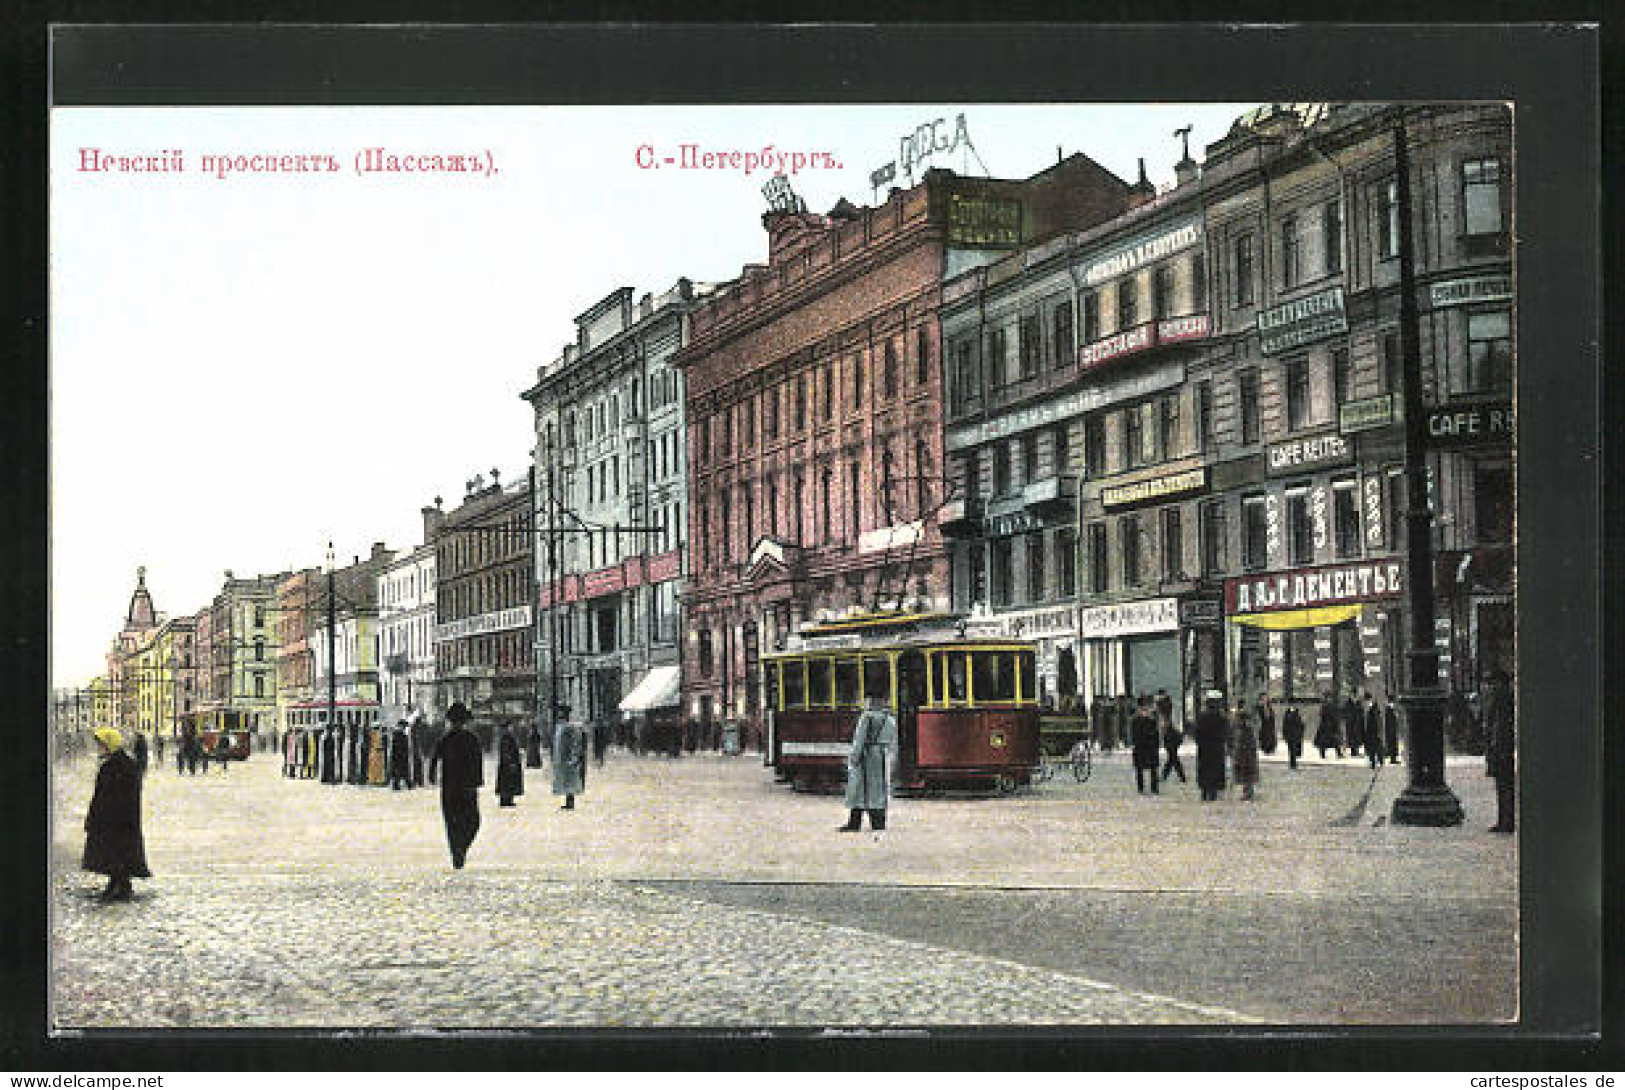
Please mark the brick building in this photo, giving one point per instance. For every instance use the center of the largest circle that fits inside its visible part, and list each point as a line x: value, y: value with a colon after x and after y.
x: 815, y: 413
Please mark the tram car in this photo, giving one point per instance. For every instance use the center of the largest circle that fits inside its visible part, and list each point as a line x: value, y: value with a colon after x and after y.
x: 966, y: 707
x: 221, y: 733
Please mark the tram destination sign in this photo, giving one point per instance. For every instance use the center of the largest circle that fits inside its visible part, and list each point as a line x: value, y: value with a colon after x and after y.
x: 1310, y: 452
x: 1302, y: 321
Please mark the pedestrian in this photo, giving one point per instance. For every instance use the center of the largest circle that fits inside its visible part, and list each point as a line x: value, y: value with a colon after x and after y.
x: 417, y: 742
x: 1211, y: 736
x: 1500, y: 757
x: 1373, y: 731
x: 1292, y: 734
x: 1327, y: 735
x: 141, y: 753
x: 1143, y: 736
x: 1266, y: 724
x: 1172, y: 739
x: 460, y: 763
x: 600, y: 742
x: 1244, y: 751
x: 569, y: 760
x: 158, y: 744
x: 1390, y: 731
x: 533, y: 746
x: 113, y: 841
x: 400, y: 758
x: 510, y: 767
x: 377, y: 757
x: 1353, y: 724
x: 868, y: 766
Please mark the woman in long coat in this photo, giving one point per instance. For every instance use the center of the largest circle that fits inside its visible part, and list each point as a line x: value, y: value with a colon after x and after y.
x: 1211, y: 733
x: 510, y: 769
x: 113, y: 841
x: 1244, y: 756
x: 569, y: 762
x: 868, y: 766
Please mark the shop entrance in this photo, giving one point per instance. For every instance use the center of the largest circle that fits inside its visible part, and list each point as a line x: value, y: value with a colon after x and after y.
x: 1153, y: 663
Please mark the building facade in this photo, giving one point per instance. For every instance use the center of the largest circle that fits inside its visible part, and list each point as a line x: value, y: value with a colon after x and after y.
x: 299, y: 597
x: 128, y: 684
x: 343, y: 640
x: 814, y: 396
x: 611, y: 477
x: 1210, y: 470
x: 242, y: 654
x: 406, y: 620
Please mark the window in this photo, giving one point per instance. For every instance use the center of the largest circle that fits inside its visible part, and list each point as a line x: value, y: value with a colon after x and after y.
x: 1001, y: 469
x: 1297, y: 393
x: 889, y: 377
x: 1094, y: 445
x: 747, y: 426
x: 1198, y: 282
x: 1244, y: 270
x: 259, y: 616
x: 857, y: 382
x: 1162, y: 291
x: 725, y: 527
x: 964, y: 374
x: 1213, y: 532
x: 827, y: 403
x: 1489, y: 351
x: 1060, y: 447
x: 801, y: 403
x: 1173, y: 545
x: 993, y: 675
x: 1204, y: 415
x: 1493, y: 501
x: 922, y: 356
x: 1392, y: 363
x: 1133, y: 437
x: 1340, y: 375
x: 1029, y: 457
x: 853, y: 473
x: 770, y: 414
x: 826, y: 480
x: 886, y: 497
x: 1091, y: 316
x: 800, y: 499
x: 846, y: 683
x: 1061, y: 334
x: 259, y: 685
x: 995, y: 358
x: 748, y: 505
x: 1247, y: 392
x: 1481, y: 197
x: 1028, y: 346
x: 1300, y: 531
x: 971, y: 476
x: 1291, y: 252
x: 922, y: 478
x: 1168, y: 426
x: 706, y: 662
x: 976, y: 570
x: 1000, y: 551
x: 1331, y: 236
x: 1128, y: 303
x: 1128, y: 530
x: 702, y: 448
x: 1097, y: 557
x: 1254, y: 533
x: 259, y: 650
x: 1066, y: 557
x: 773, y: 506
x: 1386, y: 203
x: 1346, y: 516
x: 1036, y: 588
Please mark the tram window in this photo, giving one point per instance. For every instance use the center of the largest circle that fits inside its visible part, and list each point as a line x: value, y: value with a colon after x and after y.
x: 795, y: 684
x: 770, y: 680
x: 995, y: 675
x: 911, y: 687
x: 846, y: 683
x: 955, y: 670
x: 1029, y: 676
x: 818, y: 683
x: 877, y: 678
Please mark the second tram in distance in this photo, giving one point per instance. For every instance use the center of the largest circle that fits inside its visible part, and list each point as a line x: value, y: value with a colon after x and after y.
x: 966, y: 708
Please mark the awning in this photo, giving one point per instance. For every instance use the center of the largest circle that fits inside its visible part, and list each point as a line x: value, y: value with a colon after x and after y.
x: 658, y: 689
x: 1289, y: 619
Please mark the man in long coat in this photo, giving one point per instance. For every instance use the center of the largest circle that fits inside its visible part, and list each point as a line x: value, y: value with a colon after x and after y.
x: 1373, y: 732
x: 1212, y: 732
x: 1292, y: 734
x: 1143, y: 736
x: 1244, y: 750
x: 1390, y: 732
x: 141, y: 753
x: 533, y: 746
x: 113, y: 841
x: 569, y: 761
x: 1500, y: 756
x: 400, y: 758
x: 868, y: 766
x: 510, y: 768
x: 1327, y: 734
x: 461, y: 765
x: 1353, y: 724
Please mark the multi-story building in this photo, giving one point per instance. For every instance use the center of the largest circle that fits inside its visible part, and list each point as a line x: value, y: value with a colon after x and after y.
x: 815, y: 413
x: 1225, y: 427
x: 125, y: 679
x: 406, y: 620
x: 300, y: 597
x: 345, y: 663
x: 242, y: 644
x: 611, y: 506
x: 484, y: 618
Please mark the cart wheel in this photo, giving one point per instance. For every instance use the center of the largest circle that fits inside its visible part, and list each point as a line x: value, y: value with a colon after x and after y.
x: 1006, y: 783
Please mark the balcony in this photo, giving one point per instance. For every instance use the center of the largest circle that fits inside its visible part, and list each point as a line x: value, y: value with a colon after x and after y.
x: 1050, y: 495
x: 960, y: 518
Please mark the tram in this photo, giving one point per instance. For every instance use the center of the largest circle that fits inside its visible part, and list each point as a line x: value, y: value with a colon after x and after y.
x: 966, y: 707
x: 221, y: 732
x: 312, y: 715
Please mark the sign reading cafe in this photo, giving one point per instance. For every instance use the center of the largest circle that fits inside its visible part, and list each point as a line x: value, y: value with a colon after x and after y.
x: 1309, y: 588
x: 1312, y: 452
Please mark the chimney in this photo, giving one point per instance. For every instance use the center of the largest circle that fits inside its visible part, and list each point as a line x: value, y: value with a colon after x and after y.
x: 377, y: 550
x: 432, y: 517
x: 1184, y: 170
x: 1141, y: 191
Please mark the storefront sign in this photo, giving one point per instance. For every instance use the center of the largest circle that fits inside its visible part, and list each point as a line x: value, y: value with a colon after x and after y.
x: 1189, y: 328
x: 1065, y: 408
x: 501, y: 621
x: 1313, y: 452
x: 602, y: 581
x: 1017, y: 522
x: 1471, y: 289
x: 1140, y: 252
x: 1367, y: 413
x: 1306, y: 588
x: 1201, y: 612
x: 882, y: 538
x: 1374, y: 529
x: 1129, y: 618
x: 665, y: 566
x: 1028, y: 624
x: 1302, y: 321
x: 983, y: 222
x: 1156, y: 488
x: 1468, y: 424
x: 1125, y: 343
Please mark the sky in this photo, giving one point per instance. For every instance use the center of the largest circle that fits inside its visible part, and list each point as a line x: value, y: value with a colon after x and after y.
x: 245, y: 368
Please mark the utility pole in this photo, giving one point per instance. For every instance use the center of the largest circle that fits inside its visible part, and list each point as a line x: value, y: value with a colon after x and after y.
x: 332, y: 643
x: 1427, y: 799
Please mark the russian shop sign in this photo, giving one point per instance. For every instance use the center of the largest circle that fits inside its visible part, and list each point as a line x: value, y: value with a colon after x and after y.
x: 1140, y: 252
x: 1313, y: 452
x: 1471, y: 289
x: 501, y: 621
x: 1309, y: 588
x: 1367, y: 413
x: 1156, y: 488
x: 1302, y: 321
x: 1469, y: 424
x: 1201, y: 612
x: 1166, y: 331
x: 1129, y: 618
x: 983, y: 221
x: 1065, y: 408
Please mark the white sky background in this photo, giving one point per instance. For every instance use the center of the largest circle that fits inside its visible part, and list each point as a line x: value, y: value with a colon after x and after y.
x: 244, y: 369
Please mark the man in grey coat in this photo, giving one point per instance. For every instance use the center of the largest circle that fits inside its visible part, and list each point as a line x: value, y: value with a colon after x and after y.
x: 569, y: 761
x: 868, y: 766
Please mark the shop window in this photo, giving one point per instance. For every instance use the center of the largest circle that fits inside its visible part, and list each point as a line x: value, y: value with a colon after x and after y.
x: 1173, y: 545
x: 1489, y: 351
x: 1212, y: 518
x: 1297, y: 393
x: 1036, y: 573
x: 1481, y: 197
x: 1128, y: 530
x: 1027, y: 345
x: 1243, y: 266
x: 1493, y: 504
x: 1061, y: 334
x: 1298, y: 648
x: 1097, y: 557
x: 1291, y: 252
x: 1300, y: 530
x: 1331, y: 236
x: 1001, y: 571
x: 1254, y: 533
x: 1346, y: 516
x: 1247, y: 393
x: 1128, y: 303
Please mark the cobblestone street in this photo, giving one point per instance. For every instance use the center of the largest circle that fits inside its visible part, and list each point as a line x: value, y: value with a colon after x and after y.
x: 697, y: 892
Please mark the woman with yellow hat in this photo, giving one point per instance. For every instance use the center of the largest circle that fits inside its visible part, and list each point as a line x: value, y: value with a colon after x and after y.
x: 113, y: 842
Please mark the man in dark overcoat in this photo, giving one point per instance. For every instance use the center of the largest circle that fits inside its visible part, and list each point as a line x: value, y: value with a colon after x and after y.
x: 1172, y: 739
x: 1327, y: 734
x: 1390, y: 732
x: 332, y: 742
x: 1212, y: 736
x: 1373, y: 731
x: 460, y: 764
x: 1266, y: 724
x: 1144, y: 736
x: 113, y: 841
x: 1292, y: 734
x: 510, y: 768
x: 1500, y: 756
x: 400, y: 758
x: 1353, y: 724
x: 141, y: 753
x: 533, y: 746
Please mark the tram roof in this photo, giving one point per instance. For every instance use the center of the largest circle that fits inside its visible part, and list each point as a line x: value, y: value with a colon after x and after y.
x: 835, y: 645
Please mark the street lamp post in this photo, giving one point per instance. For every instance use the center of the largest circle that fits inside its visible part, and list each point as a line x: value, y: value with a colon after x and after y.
x: 1427, y: 799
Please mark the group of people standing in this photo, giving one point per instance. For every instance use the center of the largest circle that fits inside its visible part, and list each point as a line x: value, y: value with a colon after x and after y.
x: 357, y: 755
x: 1352, y: 727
